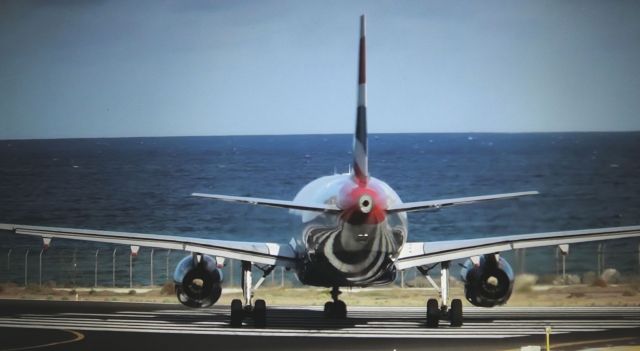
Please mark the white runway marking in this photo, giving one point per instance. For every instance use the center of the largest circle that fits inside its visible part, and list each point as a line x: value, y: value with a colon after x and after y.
x: 385, y: 322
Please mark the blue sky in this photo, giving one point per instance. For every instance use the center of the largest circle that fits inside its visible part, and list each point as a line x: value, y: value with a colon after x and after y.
x: 158, y: 68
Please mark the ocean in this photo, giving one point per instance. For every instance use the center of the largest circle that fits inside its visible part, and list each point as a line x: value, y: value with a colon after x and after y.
x: 585, y: 180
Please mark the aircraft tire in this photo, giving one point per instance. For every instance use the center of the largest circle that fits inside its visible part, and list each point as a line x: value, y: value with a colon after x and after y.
x: 433, y: 313
x: 260, y: 314
x: 237, y: 313
x: 328, y: 309
x: 340, y: 309
x: 455, y: 313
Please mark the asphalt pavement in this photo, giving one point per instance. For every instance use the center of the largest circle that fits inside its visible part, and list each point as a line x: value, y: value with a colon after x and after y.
x: 84, y: 325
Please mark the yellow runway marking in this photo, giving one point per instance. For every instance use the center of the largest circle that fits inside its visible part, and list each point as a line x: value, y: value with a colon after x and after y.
x: 77, y: 337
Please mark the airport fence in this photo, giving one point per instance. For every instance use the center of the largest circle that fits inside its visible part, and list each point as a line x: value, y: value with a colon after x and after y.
x: 116, y: 267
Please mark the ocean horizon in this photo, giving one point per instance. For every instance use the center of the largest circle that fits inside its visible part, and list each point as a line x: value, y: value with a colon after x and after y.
x: 143, y: 184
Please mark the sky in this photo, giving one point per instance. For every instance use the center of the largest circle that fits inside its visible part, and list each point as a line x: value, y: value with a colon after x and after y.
x: 81, y: 69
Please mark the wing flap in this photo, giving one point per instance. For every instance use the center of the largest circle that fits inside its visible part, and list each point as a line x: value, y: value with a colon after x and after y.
x: 264, y: 253
x: 418, y: 254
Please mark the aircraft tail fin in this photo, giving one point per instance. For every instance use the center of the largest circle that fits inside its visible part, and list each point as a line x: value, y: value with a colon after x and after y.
x: 360, y: 162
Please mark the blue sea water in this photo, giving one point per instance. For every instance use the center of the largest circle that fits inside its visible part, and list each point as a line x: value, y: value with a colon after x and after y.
x: 143, y: 185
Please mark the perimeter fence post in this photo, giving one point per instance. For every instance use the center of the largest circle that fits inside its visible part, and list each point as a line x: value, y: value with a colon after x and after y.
x: 134, y: 252
x: 168, y: 254
x: 95, y: 273
x: 402, y: 278
x: 151, y: 268
x: 26, y: 267
x: 113, y: 265
x: 520, y: 261
x: 557, y: 261
x: 564, y: 266
x: 75, y: 266
x: 282, y: 277
x: 230, y: 272
x: 599, y: 256
x: 601, y: 250
x: 9, y: 263
x: 604, y: 247
x: 40, y: 268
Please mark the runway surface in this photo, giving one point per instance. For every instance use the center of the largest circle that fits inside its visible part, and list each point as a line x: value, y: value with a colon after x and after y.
x: 84, y: 325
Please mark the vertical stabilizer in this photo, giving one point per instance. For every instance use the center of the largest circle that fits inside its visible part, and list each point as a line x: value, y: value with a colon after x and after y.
x: 360, y: 164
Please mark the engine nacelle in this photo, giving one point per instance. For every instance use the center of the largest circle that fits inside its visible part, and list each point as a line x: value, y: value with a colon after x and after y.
x: 198, y: 281
x: 488, y: 280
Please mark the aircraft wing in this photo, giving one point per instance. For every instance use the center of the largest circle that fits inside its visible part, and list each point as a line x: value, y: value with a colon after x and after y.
x: 424, y: 253
x: 264, y: 253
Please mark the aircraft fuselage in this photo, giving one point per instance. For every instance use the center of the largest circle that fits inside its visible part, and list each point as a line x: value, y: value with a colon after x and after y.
x: 356, y: 247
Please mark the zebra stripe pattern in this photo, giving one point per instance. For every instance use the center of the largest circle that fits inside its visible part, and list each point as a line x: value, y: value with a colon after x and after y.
x: 360, y: 264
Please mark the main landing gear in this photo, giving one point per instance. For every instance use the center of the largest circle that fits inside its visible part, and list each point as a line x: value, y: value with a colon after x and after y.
x: 259, y: 309
x: 337, y: 308
x: 436, y: 313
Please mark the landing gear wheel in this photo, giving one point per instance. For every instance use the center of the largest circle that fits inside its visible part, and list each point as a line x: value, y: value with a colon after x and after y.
x: 433, y: 313
x: 455, y: 313
x: 237, y: 313
x: 328, y: 309
x: 260, y: 314
x: 337, y: 309
x: 340, y: 309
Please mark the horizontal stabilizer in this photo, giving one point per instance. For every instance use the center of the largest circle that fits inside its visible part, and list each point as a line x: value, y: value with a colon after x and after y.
x: 272, y: 203
x: 437, y: 204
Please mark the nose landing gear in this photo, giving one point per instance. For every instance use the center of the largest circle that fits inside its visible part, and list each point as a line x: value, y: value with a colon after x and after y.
x: 337, y: 308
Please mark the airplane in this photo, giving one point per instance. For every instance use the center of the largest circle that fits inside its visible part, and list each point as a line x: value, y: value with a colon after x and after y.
x: 352, y: 233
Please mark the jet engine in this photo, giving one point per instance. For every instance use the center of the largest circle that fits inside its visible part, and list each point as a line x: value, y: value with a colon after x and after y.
x: 198, y: 281
x: 488, y: 280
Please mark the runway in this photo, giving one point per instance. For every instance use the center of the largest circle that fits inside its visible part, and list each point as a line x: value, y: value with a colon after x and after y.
x: 305, y: 327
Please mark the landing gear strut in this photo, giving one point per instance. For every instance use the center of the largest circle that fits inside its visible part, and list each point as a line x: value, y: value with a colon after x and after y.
x: 336, y: 308
x: 239, y: 310
x: 434, y: 312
